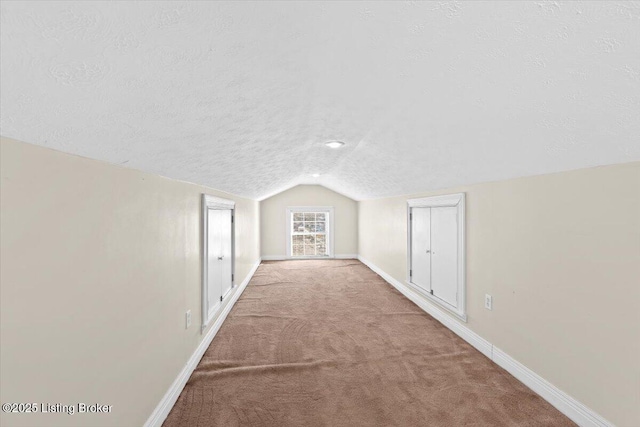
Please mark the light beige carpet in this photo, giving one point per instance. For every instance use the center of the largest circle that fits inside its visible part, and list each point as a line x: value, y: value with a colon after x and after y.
x: 330, y: 343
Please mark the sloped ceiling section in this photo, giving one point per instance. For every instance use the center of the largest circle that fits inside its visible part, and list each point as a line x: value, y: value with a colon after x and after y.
x: 241, y: 96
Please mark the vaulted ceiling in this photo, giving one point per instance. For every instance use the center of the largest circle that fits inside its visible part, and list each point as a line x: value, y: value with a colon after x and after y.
x: 242, y: 96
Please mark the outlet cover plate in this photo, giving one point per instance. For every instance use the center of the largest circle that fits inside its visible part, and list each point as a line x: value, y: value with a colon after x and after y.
x: 488, y: 302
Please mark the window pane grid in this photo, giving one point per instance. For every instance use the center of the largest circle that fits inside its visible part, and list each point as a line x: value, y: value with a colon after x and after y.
x: 308, y: 234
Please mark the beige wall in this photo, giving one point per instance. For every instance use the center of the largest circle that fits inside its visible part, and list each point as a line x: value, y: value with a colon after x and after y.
x: 99, y: 264
x: 273, y: 227
x: 561, y: 256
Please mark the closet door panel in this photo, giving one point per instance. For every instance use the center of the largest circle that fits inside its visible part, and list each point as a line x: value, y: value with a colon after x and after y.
x: 226, y: 247
x: 444, y: 253
x: 214, y: 249
x: 421, y: 247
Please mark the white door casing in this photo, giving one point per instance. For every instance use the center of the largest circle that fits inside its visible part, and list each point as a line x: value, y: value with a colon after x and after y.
x: 447, y: 250
x: 217, y: 254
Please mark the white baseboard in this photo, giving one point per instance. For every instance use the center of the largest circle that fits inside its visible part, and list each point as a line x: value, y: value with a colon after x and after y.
x: 465, y: 333
x: 284, y: 258
x: 346, y: 256
x: 576, y: 411
x: 273, y: 258
x: 161, y: 412
x: 572, y: 408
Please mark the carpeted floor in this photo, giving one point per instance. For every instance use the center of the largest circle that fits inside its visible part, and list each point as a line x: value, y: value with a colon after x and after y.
x: 330, y: 343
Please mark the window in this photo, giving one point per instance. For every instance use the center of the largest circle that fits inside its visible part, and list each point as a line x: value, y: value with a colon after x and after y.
x: 309, y: 232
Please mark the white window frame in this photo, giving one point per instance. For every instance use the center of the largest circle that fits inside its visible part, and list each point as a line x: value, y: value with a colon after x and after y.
x: 211, y: 202
x: 329, y: 231
x: 448, y: 200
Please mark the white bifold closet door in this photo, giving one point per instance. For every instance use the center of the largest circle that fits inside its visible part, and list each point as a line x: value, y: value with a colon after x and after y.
x: 421, y: 247
x: 225, y: 250
x: 219, y: 256
x: 434, y: 251
x: 444, y: 254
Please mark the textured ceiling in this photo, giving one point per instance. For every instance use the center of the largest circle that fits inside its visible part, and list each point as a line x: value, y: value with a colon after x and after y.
x: 242, y: 96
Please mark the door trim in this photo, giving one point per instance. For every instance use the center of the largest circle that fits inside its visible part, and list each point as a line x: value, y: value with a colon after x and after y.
x: 211, y: 202
x: 456, y: 200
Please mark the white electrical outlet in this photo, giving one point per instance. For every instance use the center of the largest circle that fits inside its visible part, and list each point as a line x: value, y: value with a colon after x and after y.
x: 188, y: 318
x: 488, y: 302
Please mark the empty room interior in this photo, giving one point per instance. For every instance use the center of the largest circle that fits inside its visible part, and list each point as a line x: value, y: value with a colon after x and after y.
x: 292, y: 214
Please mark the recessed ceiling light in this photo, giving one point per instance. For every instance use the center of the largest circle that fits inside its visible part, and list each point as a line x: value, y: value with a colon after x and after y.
x: 334, y: 144
x: 315, y: 175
